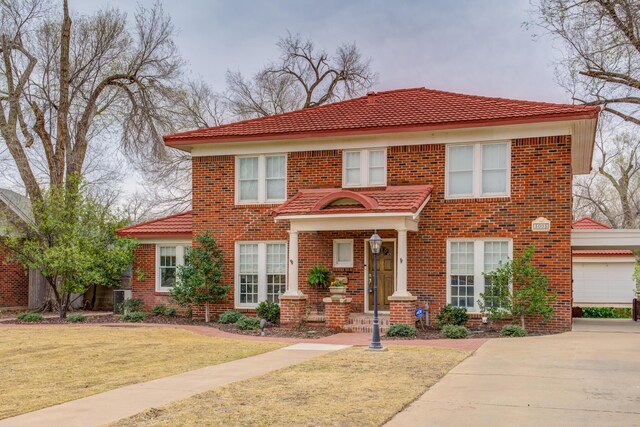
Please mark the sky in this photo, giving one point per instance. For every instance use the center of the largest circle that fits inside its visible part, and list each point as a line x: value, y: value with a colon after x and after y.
x: 470, y: 46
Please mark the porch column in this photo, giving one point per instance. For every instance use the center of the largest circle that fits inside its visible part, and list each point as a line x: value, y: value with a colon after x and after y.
x: 292, y: 288
x: 401, y: 285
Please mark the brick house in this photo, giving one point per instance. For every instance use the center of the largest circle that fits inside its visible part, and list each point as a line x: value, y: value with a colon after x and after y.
x: 451, y: 182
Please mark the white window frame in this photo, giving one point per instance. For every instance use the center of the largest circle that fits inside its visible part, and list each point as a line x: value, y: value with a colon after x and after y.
x: 477, y: 171
x: 180, y: 251
x: 478, y: 265
x: 336, y: 262
x: 365, y: 178
x: 262, y: 179
x: 262, y: 269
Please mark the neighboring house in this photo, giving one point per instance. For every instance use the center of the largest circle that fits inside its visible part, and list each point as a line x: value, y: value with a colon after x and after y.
x: 602, y: 277
x: 451, y: 182
x: 14, y: 278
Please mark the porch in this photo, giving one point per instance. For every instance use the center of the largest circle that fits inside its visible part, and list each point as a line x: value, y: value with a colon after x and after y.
x: 331, y: 228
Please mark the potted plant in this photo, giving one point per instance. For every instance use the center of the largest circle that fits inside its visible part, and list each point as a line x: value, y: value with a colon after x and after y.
x: 319, y: 277
x: 338, y: 288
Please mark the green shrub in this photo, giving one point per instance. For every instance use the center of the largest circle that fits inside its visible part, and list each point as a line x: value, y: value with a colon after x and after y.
x: 455, y: 331
x: 163, y: 310
x: 76, y: 318
x: 269, y: 311
x: 319, y: 277
x: 159, y: 309
x: 31, y: 316
x: 129, y: 305
x: 401, y: 330
x: 247, y: 323
x: 134, y: 316
x: 606, y: 312
x: 230, y: 316
x: 513, y: 331
x: 450, y: 315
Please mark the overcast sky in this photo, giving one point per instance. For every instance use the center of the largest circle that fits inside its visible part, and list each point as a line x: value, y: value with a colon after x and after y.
x: 468, y: 46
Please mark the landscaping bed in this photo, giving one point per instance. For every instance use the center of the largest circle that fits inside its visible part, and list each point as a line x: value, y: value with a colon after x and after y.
x: 302, y: 332
x: 436, y: 334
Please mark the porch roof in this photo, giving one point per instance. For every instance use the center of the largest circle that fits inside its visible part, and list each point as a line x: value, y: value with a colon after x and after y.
x: 396, y: 200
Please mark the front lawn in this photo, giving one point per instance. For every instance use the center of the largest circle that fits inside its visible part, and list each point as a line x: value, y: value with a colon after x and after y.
x: 42, y: 366
x: 346, y: 388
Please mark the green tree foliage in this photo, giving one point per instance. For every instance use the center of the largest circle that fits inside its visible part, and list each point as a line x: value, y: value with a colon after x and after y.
x: 198, y: 281
x: 72, y: 242
x: 518, y: 288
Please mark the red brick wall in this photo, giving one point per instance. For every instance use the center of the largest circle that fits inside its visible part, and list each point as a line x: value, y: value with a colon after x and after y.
x: 540, y: 186
x: 14, y: 281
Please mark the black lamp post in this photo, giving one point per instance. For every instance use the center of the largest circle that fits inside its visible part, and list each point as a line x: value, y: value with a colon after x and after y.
x: 376, y: 243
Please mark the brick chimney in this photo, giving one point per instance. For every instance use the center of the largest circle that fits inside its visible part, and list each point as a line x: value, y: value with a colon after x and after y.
x: 372, y: 98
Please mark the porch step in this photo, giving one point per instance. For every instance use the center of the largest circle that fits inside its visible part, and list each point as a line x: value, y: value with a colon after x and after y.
x: 363, y: 323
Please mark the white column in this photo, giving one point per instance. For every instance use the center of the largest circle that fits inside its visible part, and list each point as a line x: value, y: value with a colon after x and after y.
x: 292, y: 277
x: 401, y: 285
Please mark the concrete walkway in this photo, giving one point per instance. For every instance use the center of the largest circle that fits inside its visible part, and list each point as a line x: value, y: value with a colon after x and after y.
x: 124, y: 402
x: 587, y: 377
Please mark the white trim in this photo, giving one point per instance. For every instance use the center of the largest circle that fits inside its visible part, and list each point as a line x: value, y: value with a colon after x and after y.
x: 605, y: 239
x: 262, y: 269
x: 262, y: 179
x: 365, y: 175
x: 353, y: 215
x: 180, y: 248
x: 366, y: 272
x: 336, y: 262
x: 478, y: 265
x: 476, y: 171
x: 303, y: 223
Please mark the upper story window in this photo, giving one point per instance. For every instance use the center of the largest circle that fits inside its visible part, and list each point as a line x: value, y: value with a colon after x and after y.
x: 261, y: 179
x: 364, y: 168
x: 478, y: 170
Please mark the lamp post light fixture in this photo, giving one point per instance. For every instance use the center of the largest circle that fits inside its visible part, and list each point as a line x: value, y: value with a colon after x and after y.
x: 375, y: 242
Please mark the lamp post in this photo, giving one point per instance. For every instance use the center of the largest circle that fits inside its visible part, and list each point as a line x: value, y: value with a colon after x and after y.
x: 376, y: 243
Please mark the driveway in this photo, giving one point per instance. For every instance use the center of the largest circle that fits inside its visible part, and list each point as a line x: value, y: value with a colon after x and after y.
x: 587, y: 377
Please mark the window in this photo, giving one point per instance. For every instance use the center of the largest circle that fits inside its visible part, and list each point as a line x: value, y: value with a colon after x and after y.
x: 261, y: 271
x: 495, y: 253
x: 261, y: 179
x: 478, y: 170
x: 168, y: 258
x: 364, y: 168
x: 343, y: 253
x: 467, y: 260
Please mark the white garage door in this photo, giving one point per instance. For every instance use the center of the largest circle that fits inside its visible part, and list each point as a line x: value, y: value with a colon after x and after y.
x: 602, y: 282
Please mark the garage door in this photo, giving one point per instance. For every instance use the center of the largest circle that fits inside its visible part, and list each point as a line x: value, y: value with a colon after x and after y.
x: 603, y: 282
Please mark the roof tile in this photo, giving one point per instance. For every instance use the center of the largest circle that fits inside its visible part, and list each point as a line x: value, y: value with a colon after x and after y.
x: 178, y: 225
x: 384, y: 111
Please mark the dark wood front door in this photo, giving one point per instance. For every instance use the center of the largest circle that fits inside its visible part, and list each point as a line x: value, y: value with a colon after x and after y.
x: 386, y: 269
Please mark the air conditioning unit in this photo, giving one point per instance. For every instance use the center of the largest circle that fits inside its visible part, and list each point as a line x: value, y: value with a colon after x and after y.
x: 119, y: 296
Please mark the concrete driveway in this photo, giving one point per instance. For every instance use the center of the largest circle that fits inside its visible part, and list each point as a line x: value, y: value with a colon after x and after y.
x: 587, y: 377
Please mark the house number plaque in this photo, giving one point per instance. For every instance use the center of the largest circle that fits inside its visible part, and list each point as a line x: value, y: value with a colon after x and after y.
x: 540, y: 224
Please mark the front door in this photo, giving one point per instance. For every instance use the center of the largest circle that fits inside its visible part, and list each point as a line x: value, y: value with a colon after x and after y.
x: 386, y: 269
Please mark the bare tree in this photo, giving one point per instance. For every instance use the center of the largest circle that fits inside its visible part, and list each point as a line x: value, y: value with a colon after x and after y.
x: 64, y: 82
x: 303, y: 77
x: 611, y: 193
x: 601, y: 66
x: 602, y: 62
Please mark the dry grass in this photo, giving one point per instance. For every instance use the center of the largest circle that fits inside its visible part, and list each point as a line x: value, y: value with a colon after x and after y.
x: 347, y: 388
x: 43, y: 366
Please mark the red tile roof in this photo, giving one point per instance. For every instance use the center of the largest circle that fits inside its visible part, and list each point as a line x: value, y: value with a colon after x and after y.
x: 589, y: 224
x: 178, y: 225
x: 603, y: 252
x: 391, y: 111
x: 396, y: 199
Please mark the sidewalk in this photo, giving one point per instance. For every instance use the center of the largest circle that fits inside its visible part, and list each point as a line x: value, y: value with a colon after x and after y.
x: 123, y: 402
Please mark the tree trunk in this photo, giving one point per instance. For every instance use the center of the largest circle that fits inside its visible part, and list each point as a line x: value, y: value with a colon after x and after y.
x: 206, y: 312
x: 522, y: 321
x: 64, y: 306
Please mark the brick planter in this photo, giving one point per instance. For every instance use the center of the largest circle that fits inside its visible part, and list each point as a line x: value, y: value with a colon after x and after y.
x: 336, y: 312
x: 403, y: 310
x: 292, y: 310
